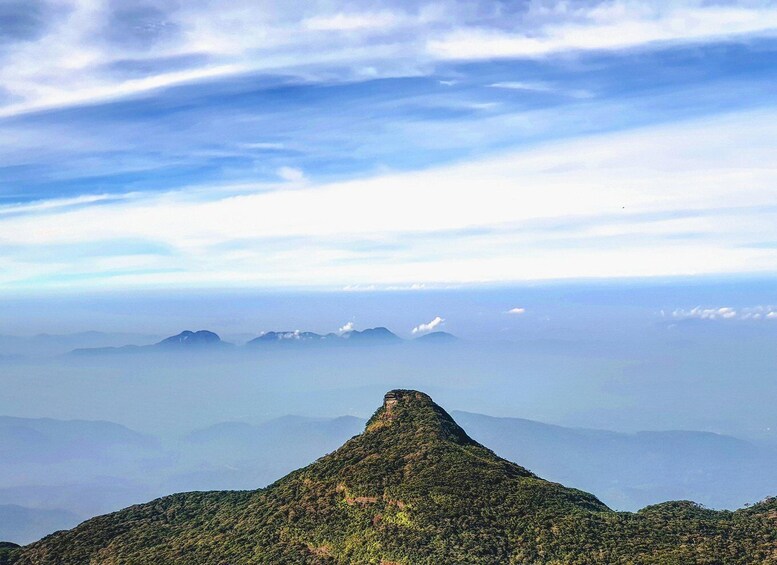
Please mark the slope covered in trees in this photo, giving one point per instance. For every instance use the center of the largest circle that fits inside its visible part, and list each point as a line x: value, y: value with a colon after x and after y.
x: 412, y: 488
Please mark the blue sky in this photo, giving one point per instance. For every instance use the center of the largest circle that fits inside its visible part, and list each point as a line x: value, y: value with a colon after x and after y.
x: 384, y: 145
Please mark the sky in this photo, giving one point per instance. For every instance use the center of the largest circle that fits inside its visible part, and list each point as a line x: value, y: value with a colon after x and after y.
x: 384, y: 145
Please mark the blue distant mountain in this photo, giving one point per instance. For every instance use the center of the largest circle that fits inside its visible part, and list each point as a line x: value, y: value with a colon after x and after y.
x: 207, y: 340
x: 291, y: 337
x: 369, y: 336
x: 187, y: 340
x: 436, y: 337
x: 48, y: 345
x: 372, y: 335
x: 44, y: 439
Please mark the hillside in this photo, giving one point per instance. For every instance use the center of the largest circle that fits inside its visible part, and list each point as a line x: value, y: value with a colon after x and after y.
x: 412, y: 488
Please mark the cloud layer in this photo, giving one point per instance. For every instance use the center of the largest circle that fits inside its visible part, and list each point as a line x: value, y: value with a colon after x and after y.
x: 62, y: 52
x: 644, y: 203
x: 385, y: 145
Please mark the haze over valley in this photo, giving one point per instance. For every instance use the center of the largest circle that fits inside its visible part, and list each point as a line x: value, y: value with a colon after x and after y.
x: 95, y: 421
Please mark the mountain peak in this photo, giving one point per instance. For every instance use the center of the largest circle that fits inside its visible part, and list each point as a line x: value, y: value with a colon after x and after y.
x: 437, y: 337
x: 414, y: 411
x: 373, y: 335
x: 189, y: 338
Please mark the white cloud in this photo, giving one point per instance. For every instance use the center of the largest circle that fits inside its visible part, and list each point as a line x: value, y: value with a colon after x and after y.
x: 517, y: 311
x: 352, y: 21
x: 727, y: 313
x: 67, y: 64
x: 649, y: 202
x: 345, y: 328
x: 540, y: 87
x: 290, y: 174
x: 612, y: 25
x: 516, y: 85
x: 429, y: 327
x: 48, y: 205
x: 263, y: 145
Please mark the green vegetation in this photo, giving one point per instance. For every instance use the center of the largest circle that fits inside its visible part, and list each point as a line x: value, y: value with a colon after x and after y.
x: 8, y: 552
x: 412, y: 489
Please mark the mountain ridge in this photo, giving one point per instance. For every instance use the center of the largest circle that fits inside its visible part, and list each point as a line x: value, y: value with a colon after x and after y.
x: 189, y: 340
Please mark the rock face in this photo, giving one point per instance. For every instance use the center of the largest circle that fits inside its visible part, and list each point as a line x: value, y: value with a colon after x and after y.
x: 412, y: 488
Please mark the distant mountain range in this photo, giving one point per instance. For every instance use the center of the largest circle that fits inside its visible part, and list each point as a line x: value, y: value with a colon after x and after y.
x: 47, y: 345
x: 371, y: 335
x: 632, y: 470
x: 205, y: 340
x: 413, y: 487
x: 54, y: 473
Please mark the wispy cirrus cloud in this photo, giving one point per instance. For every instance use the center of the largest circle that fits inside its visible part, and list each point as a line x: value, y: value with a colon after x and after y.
x: 649, y: 202
x: 540, y: 87
x: 353, y: 21
x: 64, y: 52
x: 609, y: 25
x: 427, y: 144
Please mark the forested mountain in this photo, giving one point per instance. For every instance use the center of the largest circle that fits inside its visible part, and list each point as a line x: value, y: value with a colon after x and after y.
x: 412, y: 488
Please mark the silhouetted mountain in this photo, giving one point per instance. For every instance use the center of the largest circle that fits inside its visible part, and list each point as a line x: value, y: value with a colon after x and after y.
x: 412, y: 488
x: 372, y: 336
x: 45, y: 345
x: 290, y: 337
x: 369, y: 336
x: 185, y: 341
x: 111, y: 350
x: 61, y: 468
x: 203, y: 339
x: 189, y: 339
x: 436, y: 337
x: 45, y: 439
